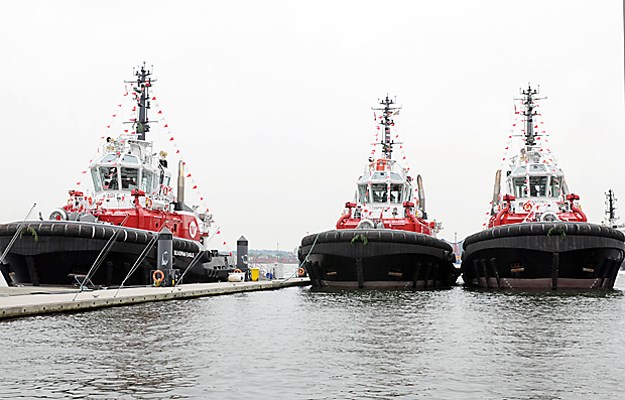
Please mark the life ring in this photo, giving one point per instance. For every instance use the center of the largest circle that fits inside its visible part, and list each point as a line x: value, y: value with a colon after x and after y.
x: 165, y: 190
x: 58, y: 215
x: 192, y: 229
x: 158, y: 277
x: 301, y: 272
x: 236, y: 271
x: 527, y: 206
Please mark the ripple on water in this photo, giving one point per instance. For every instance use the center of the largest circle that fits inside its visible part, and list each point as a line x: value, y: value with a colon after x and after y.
x: 301, y: 343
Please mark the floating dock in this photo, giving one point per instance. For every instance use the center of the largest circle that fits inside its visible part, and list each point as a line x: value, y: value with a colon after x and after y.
x: 25, y: 301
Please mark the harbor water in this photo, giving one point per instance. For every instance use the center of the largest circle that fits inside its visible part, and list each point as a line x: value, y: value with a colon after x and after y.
x: 298, y: 343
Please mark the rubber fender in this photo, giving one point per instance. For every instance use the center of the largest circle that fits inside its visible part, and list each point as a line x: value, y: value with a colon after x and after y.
x: 544, y: 229
x: 376, y: 235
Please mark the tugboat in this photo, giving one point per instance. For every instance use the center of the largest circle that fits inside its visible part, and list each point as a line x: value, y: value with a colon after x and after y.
x: 383, y: 238
x: 109, y: 237
x: 538, y: 236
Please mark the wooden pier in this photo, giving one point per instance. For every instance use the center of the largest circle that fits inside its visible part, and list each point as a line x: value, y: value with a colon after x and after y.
x: 25, y: 301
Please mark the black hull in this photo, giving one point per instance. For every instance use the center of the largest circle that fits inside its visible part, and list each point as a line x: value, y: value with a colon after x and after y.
x: 542, y: 256
x: 55, y: 252
x: 386, y: 259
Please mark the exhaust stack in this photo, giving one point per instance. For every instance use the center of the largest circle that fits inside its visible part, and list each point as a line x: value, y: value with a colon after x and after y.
x: 421, y: 194
x: 496, y: 191
x: 180, y: 193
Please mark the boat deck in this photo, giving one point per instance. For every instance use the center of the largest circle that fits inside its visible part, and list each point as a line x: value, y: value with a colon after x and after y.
x: 36, y: 300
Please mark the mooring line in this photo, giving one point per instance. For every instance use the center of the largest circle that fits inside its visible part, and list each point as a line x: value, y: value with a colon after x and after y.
x: 3, y: 282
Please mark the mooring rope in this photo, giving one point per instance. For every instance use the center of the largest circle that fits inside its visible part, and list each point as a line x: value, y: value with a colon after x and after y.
x: 13, y: 239
x: 305, y: 258
x: 191, y: 265
x: 142, y: 256
x: 101, y: 256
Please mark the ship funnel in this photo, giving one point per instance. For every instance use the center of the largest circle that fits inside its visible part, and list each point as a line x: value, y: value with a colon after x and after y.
x: 421, y: 193
x: 496, y: 190
x: 180, y: 193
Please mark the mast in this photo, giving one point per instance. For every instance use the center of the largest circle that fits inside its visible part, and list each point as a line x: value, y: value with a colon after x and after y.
x: 388, y: 110
x: 143, y: 84
x: 530, y: 113
x: 611, y: 209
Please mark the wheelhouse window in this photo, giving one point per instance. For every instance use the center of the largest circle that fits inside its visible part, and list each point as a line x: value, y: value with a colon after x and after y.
x: 520, y: 187
x: 129, y: 178
x: 363, y: 194
x: 109, y: 158
x: 378, y: 175
x: 147, y: 178
x: 556, y: 188
x: 130, y: 159
x: 538, y: 186
x: 97, y: 182
x: 110, y: 178
x: 379, y: 191
x: 396, y: 193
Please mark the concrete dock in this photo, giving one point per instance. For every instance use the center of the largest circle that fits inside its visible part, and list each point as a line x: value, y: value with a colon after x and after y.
x: 35, y: 300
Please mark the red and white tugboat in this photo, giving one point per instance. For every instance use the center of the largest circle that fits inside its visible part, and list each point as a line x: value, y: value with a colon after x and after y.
x: 383, y: 239
x: 537, y: 236
x: 103, y: 234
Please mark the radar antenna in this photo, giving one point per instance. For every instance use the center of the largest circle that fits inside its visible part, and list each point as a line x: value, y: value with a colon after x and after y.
x: 141, y: 87
x: 529, y: 113
x: 388, y: 110
x: 610, y: 201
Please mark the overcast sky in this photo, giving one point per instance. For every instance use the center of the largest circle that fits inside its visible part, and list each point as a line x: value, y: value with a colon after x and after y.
x: 269, y: 101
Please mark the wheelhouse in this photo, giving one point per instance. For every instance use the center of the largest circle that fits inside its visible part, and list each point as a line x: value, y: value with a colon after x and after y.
x: 125, y: 172
x: 537, y: 180
x: 383, y: 187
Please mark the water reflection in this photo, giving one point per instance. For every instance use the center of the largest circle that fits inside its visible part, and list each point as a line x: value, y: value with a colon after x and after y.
x: 301, y: 343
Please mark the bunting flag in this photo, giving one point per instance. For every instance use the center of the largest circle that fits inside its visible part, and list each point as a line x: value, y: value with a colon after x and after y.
x: 114, y: 119
x: 179, y: 155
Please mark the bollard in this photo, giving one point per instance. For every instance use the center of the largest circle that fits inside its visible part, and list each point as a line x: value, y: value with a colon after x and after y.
x: 164, y: 254
x: 242, y: 262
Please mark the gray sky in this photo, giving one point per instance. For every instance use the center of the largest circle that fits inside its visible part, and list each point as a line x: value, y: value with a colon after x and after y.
x: 270, y: 101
